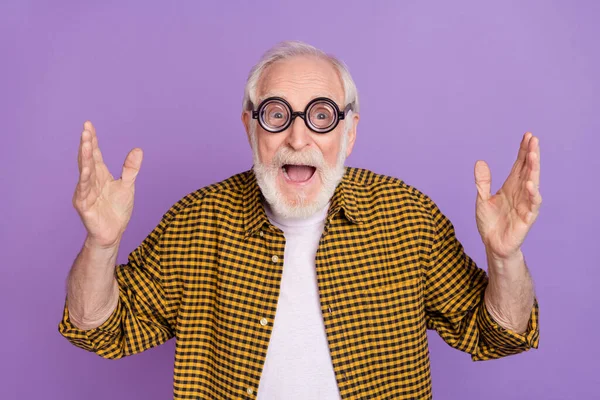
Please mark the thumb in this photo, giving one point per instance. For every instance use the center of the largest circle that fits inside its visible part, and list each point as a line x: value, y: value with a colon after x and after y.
x: 131, y: 166
x: 483, y: 179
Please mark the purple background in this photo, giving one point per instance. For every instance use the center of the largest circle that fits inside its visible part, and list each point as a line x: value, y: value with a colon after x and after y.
x: 442, y: 84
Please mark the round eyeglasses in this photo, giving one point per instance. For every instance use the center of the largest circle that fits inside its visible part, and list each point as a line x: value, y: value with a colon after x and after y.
x: 321, y: 115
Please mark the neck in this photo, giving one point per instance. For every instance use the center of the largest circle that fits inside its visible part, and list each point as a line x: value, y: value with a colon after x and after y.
x: 316, y: 217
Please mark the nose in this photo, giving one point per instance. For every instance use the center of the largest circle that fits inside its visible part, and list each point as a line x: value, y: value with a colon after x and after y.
x: 298, y: 135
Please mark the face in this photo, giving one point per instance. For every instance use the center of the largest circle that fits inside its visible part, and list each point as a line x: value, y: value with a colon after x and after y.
x: 298, y: 169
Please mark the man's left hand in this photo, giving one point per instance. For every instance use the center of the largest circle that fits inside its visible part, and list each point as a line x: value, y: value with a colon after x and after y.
x: 504, y: 219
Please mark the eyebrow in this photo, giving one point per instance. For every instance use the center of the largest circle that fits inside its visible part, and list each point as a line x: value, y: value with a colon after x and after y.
x: 280, y: 94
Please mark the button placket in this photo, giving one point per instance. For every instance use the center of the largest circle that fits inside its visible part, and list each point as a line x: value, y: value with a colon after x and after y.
x: 325, y: 264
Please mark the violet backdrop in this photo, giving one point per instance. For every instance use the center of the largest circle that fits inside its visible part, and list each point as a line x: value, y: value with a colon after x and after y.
x: 442, y: 84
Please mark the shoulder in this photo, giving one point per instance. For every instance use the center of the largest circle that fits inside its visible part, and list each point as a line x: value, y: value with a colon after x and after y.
x: 390, y: 201
x: 372, y: 187
x: 225, y: 194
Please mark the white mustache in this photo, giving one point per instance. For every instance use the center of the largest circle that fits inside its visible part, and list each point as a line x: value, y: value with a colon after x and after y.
x: 285, y: 155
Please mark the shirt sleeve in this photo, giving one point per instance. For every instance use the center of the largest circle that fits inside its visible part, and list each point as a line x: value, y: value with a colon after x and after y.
x: 454, y: 300
x: 140, y: 320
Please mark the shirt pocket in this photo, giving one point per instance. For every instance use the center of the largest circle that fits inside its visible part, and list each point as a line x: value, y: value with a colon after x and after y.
x: 394, y: 313
x: 394, y: 333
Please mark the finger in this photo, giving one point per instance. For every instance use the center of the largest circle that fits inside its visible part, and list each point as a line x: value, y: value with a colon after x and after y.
x: 90, y: 127
x: 522, y: 154
x: 535, y: 197
x: 98, y: 159
x: 131, y: 166
x: 534, y: 147
x: 534, y: 144
x: 483, y: 180
x: 534, y: 168
x: 86, y: 159
x: 84, y: 186
x: 97, y: 154
x: 85, y: 138
x: 532, y: 210
x: 87, y: 176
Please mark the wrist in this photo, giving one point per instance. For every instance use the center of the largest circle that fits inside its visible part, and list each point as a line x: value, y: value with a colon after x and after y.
x: 100, y: 255
x: 507, y: 267
x: 92, y: 244
x: 501, y: 260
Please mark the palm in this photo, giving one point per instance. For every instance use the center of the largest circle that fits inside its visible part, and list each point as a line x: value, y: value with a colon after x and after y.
x: 504, y: 219
x: 109, y: 207
x: 105, y: 204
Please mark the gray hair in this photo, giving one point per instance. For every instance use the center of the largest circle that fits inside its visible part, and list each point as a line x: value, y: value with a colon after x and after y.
x: 289, y: 49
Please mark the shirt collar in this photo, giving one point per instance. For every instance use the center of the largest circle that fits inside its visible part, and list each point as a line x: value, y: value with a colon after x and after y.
x: 254, y: 213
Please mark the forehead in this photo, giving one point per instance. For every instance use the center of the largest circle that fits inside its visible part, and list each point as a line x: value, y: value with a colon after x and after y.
x: 299, y: 80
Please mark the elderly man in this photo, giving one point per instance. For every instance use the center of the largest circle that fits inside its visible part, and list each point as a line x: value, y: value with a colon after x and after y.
x: 302, y: 278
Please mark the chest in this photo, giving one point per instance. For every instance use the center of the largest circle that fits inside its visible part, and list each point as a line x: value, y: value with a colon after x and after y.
x: 370, y: 296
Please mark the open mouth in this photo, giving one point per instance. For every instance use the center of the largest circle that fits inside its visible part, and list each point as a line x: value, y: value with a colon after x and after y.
x: 298, y: 173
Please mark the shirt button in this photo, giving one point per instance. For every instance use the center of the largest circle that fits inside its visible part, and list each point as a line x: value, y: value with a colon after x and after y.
x: 275, y: 259
x: 261, y: 233
x: 263, y: 321
x: 329, y: 309
x: 249, y: 390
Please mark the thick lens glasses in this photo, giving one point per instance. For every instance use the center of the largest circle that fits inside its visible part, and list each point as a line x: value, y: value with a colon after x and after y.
x: 321, y: 115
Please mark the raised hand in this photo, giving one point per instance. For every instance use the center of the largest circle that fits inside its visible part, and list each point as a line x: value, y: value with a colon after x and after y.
x: 504, y: 219
x: 104, y: 203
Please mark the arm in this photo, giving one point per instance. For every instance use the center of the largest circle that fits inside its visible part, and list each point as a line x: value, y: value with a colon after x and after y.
x: 496, y: 317
x: 92, y: 290
x: 104, y: 205
x: 503, y: 221
x: 113, y: 311
x: 509, y: 296
x: 454, y: 298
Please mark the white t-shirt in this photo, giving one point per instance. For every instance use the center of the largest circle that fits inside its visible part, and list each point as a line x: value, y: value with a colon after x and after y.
x: 298, y: 364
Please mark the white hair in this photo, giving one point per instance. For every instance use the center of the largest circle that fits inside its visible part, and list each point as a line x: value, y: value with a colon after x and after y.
x: 289, y: 49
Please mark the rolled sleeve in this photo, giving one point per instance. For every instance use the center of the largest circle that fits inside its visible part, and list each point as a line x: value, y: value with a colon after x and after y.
x: 97, y: 340
x: 497, y: 341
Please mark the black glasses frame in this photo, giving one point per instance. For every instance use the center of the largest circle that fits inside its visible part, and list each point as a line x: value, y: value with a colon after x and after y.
x: 257, y: 114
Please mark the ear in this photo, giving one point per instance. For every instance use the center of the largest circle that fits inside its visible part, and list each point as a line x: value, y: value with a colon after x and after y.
x: 246, y: 122
x: 352, y: 133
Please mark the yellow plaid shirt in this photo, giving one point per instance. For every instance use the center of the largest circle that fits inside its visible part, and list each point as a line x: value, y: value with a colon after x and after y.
x: 388, y: 267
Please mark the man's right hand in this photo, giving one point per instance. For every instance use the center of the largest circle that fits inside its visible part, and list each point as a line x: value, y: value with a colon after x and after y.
x: 104, y: 203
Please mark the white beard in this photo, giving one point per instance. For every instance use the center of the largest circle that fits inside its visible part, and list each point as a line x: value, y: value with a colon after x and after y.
x: 300, y: 207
